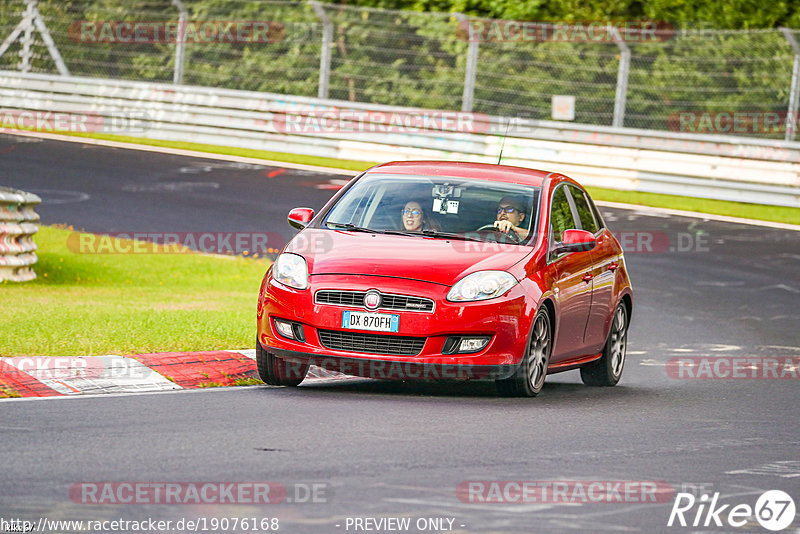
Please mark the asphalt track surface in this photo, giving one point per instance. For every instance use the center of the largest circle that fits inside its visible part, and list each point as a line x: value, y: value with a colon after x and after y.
x: 385, y: 449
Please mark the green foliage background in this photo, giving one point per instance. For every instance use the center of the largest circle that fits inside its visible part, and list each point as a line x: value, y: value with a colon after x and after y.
x: 724, y: 56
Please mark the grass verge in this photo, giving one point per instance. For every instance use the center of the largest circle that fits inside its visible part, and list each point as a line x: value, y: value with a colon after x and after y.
x: 781, y: 214
x: 717, y: 207
x: 286, y: 157
x: 94, y: 304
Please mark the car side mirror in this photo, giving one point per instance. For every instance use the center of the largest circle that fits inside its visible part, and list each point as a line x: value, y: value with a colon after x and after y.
x: 300, y: 217
x: 575, y: 241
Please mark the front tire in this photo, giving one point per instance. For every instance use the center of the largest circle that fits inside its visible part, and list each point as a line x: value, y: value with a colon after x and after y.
x: 608, y: 369
x: 276, y: 372
x: 528, y: 379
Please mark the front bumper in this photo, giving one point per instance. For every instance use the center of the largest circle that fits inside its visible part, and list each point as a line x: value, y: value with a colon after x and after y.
x: 392, y: 369
x: 505, y: 319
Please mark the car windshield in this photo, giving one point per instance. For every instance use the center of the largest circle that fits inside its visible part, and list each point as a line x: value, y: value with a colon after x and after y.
x: 447, y: 207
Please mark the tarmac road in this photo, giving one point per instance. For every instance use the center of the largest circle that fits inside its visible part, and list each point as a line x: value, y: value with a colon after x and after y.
x: 380, y: 449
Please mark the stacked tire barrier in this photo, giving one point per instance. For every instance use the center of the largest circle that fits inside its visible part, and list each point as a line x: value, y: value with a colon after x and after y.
x: 17, y: 226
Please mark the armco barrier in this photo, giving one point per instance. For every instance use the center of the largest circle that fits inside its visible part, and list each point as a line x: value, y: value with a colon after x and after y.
x: 17, y: 226
x: 705, y: 166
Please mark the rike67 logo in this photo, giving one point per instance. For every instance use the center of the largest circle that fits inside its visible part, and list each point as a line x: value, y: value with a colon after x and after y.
x: 774, y: 510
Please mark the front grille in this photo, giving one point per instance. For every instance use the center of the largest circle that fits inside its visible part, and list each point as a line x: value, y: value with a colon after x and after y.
x: 371, y: 343
x: 341, y: 298
x: 401, y: 302
x: 389, y: 302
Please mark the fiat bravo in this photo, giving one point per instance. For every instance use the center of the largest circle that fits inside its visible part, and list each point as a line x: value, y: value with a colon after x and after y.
x: 448, y: 271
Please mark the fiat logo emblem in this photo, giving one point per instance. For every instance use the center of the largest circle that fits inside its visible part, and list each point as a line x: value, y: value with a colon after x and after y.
x: 372, y: 300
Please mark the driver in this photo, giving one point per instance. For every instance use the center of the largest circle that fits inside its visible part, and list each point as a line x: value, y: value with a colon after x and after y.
x: 510, y: 215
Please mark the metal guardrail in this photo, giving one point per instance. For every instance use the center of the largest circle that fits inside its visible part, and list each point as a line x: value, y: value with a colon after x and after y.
x: 17, y: 226
x: 718, y: 167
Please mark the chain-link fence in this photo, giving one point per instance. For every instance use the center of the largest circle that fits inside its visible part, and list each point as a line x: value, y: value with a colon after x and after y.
x: 698, y: 81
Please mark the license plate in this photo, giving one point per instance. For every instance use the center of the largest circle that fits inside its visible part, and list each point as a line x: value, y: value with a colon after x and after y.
x: 379, y: 322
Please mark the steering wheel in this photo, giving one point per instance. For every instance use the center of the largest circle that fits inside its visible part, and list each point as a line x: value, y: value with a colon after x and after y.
x: 491, y: 227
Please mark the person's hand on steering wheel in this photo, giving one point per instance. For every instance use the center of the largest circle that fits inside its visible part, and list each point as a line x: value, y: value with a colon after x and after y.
x: 507, y: 227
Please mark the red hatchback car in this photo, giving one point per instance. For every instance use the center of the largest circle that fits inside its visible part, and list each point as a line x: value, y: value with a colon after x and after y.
x: 448, y: 270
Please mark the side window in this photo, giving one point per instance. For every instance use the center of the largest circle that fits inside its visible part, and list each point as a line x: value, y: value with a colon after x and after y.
x: 596, y: 212
x: 560, y: 214
x: 584, y: 211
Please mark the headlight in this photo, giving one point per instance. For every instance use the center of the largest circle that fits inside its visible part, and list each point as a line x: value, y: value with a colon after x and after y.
x: 291, y: 270
x: 482, y: 285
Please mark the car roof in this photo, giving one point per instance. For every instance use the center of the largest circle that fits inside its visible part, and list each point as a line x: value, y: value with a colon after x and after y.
x: 463, y: 169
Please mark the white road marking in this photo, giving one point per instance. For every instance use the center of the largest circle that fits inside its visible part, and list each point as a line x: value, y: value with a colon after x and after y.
x: 516, y: 508
x: 724, y: 348
x: 181, y: 152
x: 58, y: 196
x: 784, y: 287
x: 314, y: 372
x: 720, y: 284
x: 175, y: 187
x: 652, y: 363
x: 783, y: 469
x: 659, y: 212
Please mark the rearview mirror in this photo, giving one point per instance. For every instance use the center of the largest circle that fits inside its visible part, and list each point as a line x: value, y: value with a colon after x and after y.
x: 575, y: 241
x: 300, y: 217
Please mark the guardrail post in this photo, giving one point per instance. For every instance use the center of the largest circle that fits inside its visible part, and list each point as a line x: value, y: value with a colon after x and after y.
x: 794, y: 90
x: 26, y: 52
x: 17, y: 226
x: 325, y: 54
x: 48, y: 41
x: 32, y: 18
x: 622, y: 78
x: 471, y: 70
x: 180, y: 46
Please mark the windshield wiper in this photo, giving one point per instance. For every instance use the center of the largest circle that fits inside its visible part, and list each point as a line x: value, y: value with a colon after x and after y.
x: 351, y: 227
x: 432, y: 233
x: 448, y: 235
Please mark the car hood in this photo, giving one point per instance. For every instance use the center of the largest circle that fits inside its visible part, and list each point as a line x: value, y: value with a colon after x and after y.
x: 441, y: 261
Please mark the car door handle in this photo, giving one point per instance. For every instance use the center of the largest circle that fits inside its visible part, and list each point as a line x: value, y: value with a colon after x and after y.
x: 613, y: 266
x: 587, y: 277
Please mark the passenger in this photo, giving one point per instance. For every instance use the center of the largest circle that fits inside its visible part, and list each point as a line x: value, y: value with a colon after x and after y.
x: 510, y: 215
x: 415, y: 219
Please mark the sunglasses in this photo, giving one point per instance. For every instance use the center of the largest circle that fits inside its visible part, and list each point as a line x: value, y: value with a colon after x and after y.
x: 507, y: 209
x: 413, y: 213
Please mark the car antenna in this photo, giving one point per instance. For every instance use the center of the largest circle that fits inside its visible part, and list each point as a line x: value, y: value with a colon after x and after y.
x: 503, y: 142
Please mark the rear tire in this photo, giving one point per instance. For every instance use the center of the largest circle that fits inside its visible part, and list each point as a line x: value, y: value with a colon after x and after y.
x: 608, y: 369
x: 277, y: 372
x: 528, y: 379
